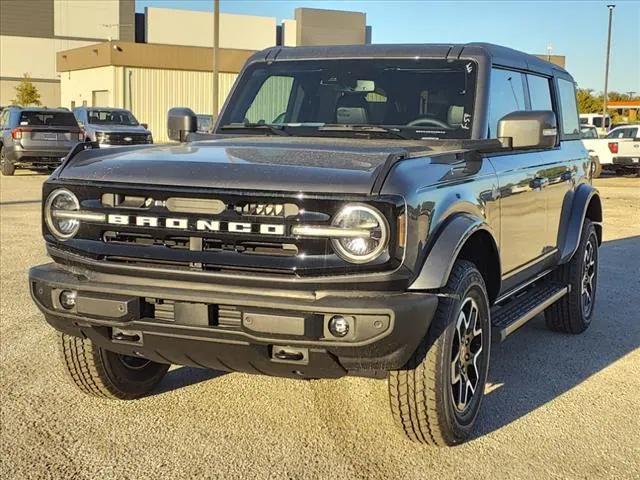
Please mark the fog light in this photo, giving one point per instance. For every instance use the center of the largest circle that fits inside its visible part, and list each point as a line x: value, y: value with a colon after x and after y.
x: 68, y: 299
x: 338, y: 326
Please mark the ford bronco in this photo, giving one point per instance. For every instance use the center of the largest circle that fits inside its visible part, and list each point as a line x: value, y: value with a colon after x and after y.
x: 381, y: 211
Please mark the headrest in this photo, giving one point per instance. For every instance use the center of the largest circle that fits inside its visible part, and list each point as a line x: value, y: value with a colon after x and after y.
x: 351, y: 115
x: 455, y: 115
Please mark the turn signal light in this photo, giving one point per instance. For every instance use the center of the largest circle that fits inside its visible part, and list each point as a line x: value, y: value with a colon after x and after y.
x: 16, y: 134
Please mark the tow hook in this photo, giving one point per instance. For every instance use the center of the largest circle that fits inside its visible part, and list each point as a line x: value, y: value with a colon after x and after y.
x: 288, y: 354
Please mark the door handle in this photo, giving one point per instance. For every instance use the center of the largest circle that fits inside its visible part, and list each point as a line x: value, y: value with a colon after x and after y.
x: 539, y: 182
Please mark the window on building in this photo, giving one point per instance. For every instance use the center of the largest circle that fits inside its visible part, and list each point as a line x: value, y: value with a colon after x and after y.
x: 506, y: 95
x: 570, y: 122
x: 539, y: 93
x: 271, y: 101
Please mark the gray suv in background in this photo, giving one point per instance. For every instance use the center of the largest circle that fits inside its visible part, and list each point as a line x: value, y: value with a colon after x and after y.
x: 36, y: 137
x: 112, y: 126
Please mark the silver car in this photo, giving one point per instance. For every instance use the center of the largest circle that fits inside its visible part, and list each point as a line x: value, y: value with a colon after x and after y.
x: 112, y: 126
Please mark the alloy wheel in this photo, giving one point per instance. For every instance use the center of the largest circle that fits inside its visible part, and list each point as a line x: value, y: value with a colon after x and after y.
x: 588, y: 277
x: 466, y: 355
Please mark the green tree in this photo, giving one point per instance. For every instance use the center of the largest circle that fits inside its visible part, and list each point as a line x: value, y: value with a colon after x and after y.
x: 587, y: 102
x: 26, y: 92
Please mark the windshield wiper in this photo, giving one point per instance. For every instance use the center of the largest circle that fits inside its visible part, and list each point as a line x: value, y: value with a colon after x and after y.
x: 273, y: 129
x: 373, y: 129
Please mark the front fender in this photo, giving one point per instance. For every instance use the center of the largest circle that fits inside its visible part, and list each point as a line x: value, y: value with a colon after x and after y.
x: 444, y: 251
x: 586, y: 200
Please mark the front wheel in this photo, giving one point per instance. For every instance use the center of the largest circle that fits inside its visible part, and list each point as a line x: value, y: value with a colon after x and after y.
x: 436, y: 398
x: 101, y: 373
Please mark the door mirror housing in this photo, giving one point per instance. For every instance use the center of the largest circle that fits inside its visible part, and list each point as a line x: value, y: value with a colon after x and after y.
x: 145, y: 126
x: 535, y: 129
x: 180, y: 123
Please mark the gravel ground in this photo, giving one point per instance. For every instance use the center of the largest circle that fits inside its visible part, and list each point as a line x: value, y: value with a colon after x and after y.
x: 557, y: 406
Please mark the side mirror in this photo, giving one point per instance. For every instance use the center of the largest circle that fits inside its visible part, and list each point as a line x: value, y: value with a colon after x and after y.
x: 145, y: 126
x: 180, y: 123
x: 523, y: 130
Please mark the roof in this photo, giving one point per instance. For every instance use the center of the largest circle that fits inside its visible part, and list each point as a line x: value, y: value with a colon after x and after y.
x: 495, y: 54
x: 37, y: 109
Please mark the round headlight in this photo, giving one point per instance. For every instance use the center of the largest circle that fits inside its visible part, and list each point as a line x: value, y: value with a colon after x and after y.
x: 60, y: 225
x: 368, y: 233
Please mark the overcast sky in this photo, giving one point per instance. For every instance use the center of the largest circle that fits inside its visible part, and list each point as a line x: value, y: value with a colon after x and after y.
x: 576, y: 29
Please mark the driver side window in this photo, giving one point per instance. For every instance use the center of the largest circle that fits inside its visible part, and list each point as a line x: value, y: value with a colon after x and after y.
x: 506, y: 95
x: 271, y: 101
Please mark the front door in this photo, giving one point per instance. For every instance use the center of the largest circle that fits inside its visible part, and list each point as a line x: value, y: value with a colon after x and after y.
x: 523, y: 209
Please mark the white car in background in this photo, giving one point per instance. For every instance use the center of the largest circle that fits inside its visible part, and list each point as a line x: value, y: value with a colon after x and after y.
x: 619, y: 151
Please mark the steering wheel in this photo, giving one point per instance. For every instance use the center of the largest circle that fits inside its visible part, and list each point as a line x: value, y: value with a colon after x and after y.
x: 428, y: 122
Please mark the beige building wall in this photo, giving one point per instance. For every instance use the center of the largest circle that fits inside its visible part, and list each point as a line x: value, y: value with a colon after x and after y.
x: 97, y: 19
x: 77, y: 87
x: 49, y: 92
x: 329, y: 27
x: 148, y: 92
x: 289, y: 33
x: 187, y: 27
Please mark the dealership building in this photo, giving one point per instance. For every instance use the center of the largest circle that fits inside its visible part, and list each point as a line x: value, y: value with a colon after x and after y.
x: 102, y: 53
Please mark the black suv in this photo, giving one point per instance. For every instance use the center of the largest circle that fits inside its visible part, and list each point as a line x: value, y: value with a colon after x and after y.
x: 381, y: 211
x: 36, y: 137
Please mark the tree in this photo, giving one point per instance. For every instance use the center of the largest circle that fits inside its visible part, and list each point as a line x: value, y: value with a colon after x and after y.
x: 26, y: 92
x: 587, y: 103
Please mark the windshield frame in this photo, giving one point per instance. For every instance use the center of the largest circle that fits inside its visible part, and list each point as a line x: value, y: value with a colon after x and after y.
x: 473, y: 78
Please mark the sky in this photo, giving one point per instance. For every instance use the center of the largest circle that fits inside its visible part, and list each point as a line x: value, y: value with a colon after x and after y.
x: 576, y: 29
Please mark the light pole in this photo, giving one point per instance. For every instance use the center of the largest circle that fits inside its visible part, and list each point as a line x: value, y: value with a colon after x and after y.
x: 216, y: 41
x: 606, y: 70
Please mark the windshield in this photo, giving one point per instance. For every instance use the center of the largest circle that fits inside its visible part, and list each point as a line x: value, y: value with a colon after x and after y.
x: 50, y: 119
x: 112, y: 117
x: 417, y: 98
x: 587, y: 132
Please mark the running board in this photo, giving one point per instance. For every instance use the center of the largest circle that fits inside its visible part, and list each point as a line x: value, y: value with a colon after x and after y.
x: 510, y: 316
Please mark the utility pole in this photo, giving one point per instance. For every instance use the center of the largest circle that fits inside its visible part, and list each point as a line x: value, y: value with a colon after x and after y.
x: 216, y: 67
x: 606, y: 70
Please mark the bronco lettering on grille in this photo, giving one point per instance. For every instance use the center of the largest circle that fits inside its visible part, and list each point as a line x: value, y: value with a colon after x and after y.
x: 201, y: 224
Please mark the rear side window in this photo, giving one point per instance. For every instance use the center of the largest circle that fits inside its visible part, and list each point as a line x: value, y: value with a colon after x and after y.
x: 567, y: 92
x: 505, y: 96
x: 539, y: 92
x: 271, y: 101
x: 47, y: 119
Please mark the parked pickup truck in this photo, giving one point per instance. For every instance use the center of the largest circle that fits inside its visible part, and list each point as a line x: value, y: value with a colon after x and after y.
x: 619, y: 151
x: 379, y: 210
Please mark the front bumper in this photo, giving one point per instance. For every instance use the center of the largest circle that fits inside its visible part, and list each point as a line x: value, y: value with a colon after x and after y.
x: 266, y: 331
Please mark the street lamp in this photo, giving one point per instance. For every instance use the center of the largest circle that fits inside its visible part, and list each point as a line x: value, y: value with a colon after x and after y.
x: 216, y: 66
x: 606, y: 70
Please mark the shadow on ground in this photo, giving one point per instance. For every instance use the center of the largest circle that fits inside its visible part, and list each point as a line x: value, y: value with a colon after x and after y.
x: 536, y: 365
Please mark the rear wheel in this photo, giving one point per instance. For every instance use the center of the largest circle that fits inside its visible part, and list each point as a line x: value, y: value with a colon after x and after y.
x: 6, y: 166
x: 101, y: 373
x: 436, y: 398
x: 573, y: 312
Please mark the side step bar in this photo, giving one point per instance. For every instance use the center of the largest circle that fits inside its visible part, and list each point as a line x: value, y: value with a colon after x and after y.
x: 508, y: 317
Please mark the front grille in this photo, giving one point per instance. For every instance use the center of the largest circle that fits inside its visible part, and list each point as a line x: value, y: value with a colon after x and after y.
x: 217, y: 231
x: 121, y: 138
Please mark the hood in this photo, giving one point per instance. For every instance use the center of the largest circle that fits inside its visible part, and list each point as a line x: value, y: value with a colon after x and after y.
x: 97, y: 127
x: 267, y: 163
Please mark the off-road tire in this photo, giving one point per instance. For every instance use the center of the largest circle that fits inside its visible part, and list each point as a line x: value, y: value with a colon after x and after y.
x: 421, y: 401
x: 6, y: 166
x: 101, y: 373
x: 567, y: 315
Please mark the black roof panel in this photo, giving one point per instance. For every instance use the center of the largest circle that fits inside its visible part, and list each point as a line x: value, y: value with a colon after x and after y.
x: 496, y: 54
